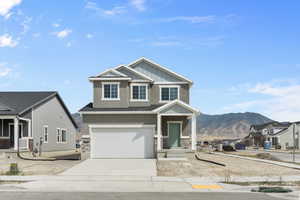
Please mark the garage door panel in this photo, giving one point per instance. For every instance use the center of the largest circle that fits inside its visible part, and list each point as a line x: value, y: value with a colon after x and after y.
x: 122, y: 143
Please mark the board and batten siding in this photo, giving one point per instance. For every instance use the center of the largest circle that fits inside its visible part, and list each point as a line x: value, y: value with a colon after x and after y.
x: 54, y: 116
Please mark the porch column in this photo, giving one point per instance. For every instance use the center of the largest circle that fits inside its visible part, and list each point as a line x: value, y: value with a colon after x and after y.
x: 16, y: 133
x: 158, y: 132
x: 194, y: 132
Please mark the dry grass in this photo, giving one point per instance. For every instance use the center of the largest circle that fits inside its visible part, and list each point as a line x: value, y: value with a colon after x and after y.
x: 234, y: 167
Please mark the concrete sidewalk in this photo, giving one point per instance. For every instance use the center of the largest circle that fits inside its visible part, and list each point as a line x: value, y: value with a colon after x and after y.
x: 282, y: 164
x: 129, y: 183
x: 114, y: 167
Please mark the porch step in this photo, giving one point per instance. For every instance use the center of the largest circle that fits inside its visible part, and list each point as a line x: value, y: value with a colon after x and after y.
x: 176, y: 153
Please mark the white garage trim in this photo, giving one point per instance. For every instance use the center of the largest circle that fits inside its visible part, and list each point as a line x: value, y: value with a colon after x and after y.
x: 122, y: 140
x: 121, y: 126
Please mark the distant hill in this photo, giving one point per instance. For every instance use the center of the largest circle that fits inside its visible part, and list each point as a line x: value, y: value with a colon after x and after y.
x: 231, y: 125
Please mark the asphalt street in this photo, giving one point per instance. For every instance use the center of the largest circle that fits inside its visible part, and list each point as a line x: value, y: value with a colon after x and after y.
x: 132, y: 196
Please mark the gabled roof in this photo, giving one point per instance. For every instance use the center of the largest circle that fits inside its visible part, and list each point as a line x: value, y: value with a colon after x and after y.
x: 18, y: 103
x: 272, y: 124
x: 177, y: 102
x: 90, y: 108
x: 130, y: 72
x: 143, y: 59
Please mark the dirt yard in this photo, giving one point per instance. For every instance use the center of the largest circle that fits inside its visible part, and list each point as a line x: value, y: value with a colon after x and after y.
x: 28, y: 167
x: 234, y: 167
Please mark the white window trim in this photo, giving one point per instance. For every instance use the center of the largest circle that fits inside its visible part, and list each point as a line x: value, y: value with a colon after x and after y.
x: 181, y: 129
x: 131, y: 92
x: 1, y: 136
x: 110, y: 99
x: 45, y: 126
x: 168, y: 86
x: 58, y: 135
x: 12, y: 124
x: 61, y: 130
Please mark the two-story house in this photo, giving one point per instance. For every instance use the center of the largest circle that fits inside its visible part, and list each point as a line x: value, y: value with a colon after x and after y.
x: 138, y: 110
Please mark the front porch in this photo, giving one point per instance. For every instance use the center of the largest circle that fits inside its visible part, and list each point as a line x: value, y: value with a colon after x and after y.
x: 176, y: 127
x: 15, y: 133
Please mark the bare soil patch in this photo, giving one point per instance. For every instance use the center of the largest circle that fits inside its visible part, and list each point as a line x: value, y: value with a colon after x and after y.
x: 234, y: 167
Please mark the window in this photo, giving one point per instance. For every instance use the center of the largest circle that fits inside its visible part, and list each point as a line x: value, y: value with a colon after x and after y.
x: 110, y: 91
x: 58, y: 135
x: 45, y: 134
x: 63, y: 135
x: 139, y: 92
x: 169, y: 93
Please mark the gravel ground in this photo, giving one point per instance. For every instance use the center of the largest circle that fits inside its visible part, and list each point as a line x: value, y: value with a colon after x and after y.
x: 234, y: 167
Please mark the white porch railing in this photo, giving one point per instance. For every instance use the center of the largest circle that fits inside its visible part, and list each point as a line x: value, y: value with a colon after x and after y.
x: 24, y: 143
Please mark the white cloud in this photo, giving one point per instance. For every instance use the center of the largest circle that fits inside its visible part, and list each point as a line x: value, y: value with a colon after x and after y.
x: 89, y: 36
x: 138, y: 4
x: 165, y: 43
x: 25, y: 25
x: 4, y: 71
x: 191, y: 19
x: 278, y: 99
x: 7, y: 41
x: 116, y: 10
x: 64, y: 33
x: 56, y: 25
x: 6, y: 6
x: 69, y: 44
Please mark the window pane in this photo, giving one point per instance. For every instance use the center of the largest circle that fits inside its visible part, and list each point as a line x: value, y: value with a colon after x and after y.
x: 173, y: 93
x: 165, y: 94
x: 58, y: 135
x: 45, y: 134
x: 114, y: 91
x: 106, y: 91
x: 63, y: 136
x: 135, y: 92
x: 143, y: 92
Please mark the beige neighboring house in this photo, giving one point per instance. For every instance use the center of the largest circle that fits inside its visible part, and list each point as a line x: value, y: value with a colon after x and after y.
x: 138, y: 110
x: 286, y: 137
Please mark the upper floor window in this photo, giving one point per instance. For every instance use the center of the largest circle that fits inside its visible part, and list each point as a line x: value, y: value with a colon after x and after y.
x: 63, y: 135
x: 169, y: 93
x: 110, y: 91
x: 139, y: 92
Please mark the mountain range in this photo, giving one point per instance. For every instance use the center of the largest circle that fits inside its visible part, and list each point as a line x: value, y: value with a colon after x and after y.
x: 231, y: 125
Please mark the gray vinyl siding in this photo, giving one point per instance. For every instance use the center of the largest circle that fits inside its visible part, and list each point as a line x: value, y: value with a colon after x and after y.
x: 54, y: 116
x: 287, y: 137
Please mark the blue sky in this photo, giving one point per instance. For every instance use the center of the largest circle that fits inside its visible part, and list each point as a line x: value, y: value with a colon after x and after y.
x: 242, y: 55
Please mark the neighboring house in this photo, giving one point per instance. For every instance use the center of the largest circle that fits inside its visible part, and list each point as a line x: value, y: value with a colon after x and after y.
x: 260, y: 133
x: 287, y: 138
x: 27, y: 118
x: 138, y: 110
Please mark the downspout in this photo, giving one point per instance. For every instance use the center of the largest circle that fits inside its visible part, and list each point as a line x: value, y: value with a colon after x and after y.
x: 18, y: 150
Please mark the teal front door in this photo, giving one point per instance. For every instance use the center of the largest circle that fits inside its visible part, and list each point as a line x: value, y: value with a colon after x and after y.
x: 174, y: 130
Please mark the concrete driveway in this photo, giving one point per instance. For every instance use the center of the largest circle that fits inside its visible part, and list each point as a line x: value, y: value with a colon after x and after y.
x: 113, y: 167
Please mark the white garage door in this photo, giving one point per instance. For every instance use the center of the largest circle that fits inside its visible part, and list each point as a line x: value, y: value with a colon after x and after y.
x: 130, y: 141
